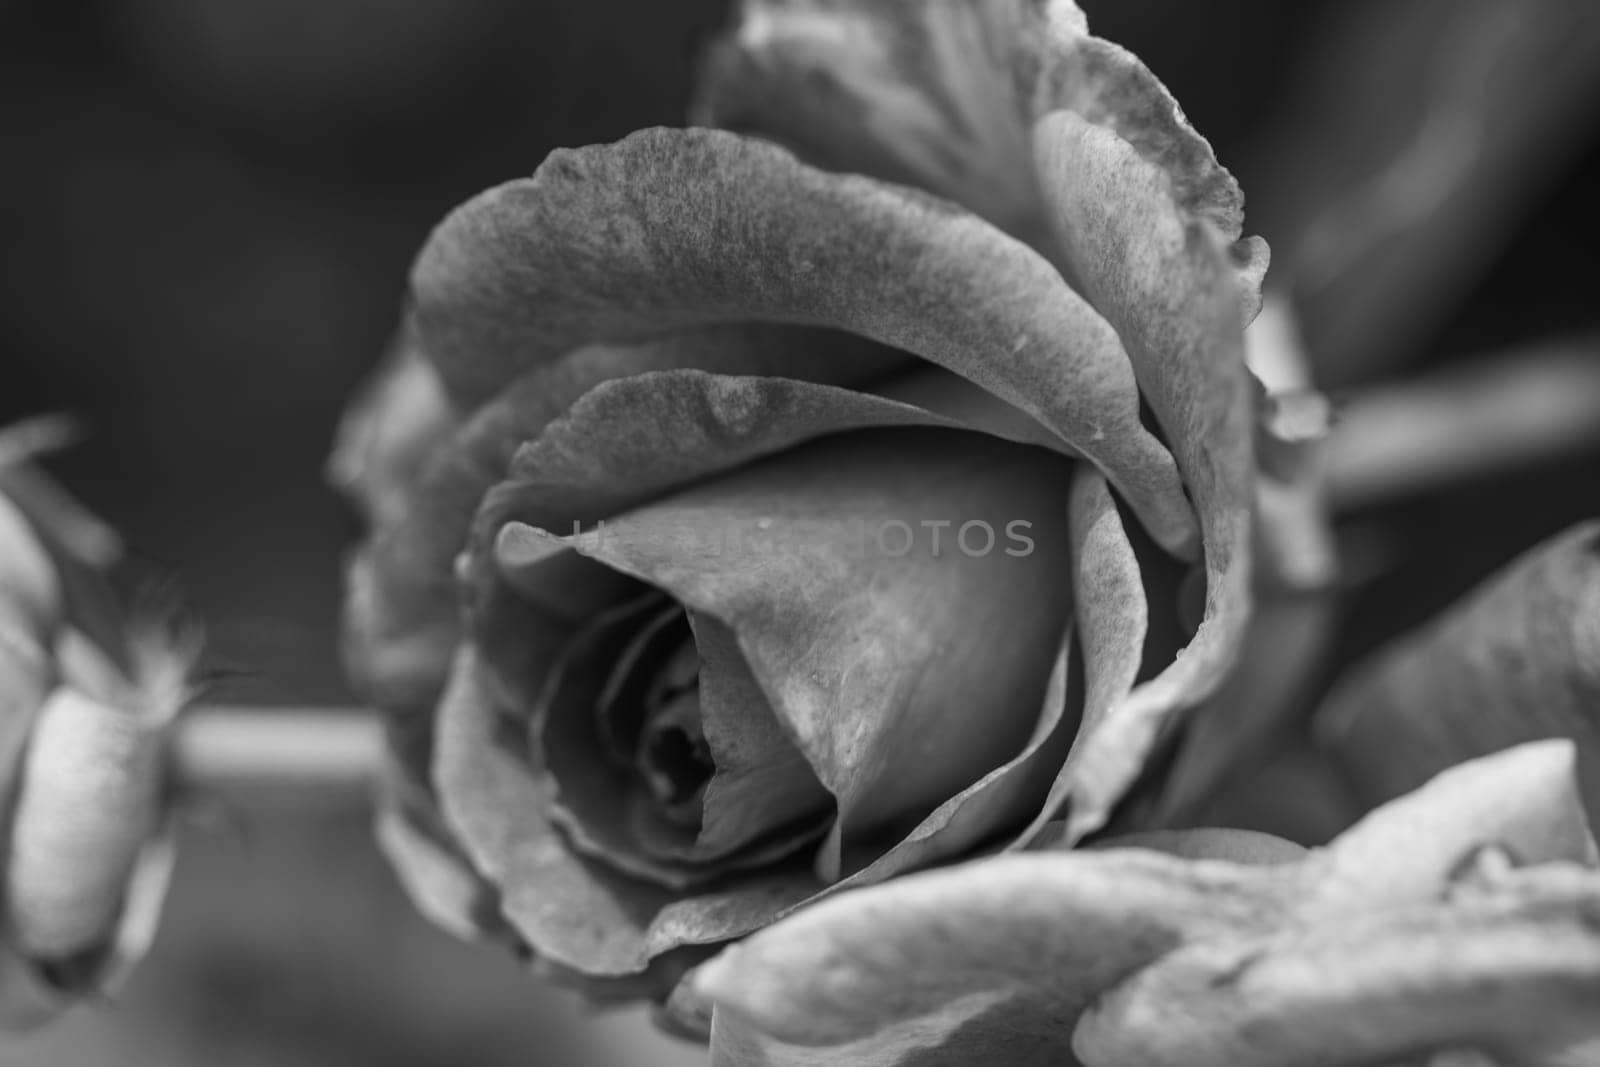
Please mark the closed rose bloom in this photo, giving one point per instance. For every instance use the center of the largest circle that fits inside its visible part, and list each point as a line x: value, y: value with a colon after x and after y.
x: 87, y: 699
x: 797, y: 500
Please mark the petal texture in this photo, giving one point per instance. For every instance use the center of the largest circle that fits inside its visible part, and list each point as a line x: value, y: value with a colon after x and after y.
x: 943, y: 96
x: 904, y: 669
x: 675, y: 228
x: 1209, y: 956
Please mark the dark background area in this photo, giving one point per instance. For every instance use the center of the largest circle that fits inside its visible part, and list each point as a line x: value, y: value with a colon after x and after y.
x: 208, y: 210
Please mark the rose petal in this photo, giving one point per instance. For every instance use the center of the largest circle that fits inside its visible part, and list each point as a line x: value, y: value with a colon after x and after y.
x: 31, y: 996
x: 942, y: 96
x: 950, y: 396
x: 994, y: 960
x: 684, y: 426
x: 26, y: 677
x: 1026, y: 941
x: 853, y: 641
x: 607, y: 813
x: 387, y: 434
x: 29, y: 605
x: 1291, y: 630
x: 982, y: 1028
x: 571, y: 911
x: 591, y: 800
x: 69, y: 528
x: 1165, y: 281
x: 401, y: 622
x: 1112, y: 616
x: 60, y: 622
x: 998, y: 800
x: 689, y: 425
x: 1518, y: 659
x: 1211, y: 843
x: 674, y: 228
x: 30, y: 590
x: 438, y: 880
x: 1524, y: 800
x: 1516, y: 972
x: 621, y: 712
x: 541, y: 608
x: 762, y: 780
x: 69, y: 583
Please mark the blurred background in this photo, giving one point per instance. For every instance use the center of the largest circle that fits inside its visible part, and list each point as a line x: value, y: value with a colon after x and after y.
x: 208, y: 210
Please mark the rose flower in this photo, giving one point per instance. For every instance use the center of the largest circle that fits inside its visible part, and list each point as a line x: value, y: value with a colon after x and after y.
x: 754, y: 510
x: 87, y: 698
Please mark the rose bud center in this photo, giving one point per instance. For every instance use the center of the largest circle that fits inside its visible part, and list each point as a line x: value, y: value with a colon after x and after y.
x: 673, y: 756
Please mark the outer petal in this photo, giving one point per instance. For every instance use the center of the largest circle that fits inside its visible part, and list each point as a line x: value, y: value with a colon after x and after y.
x: 401, y: 618
x: 29, y: 998
x: 986, y: 962
x: 669, y: 229
x: 76, y: 547
x: 26, y: 678
x: 1517, y: 660
x: 29, y: 605
x: 1165, y: 281
x: 49, y: 550
x: 1269, y: 691
x: 440, y: 881
x: 388, y: 432
x: 69, y: 529
x: 30, y: 589
x: 1515, y: 972
x: 993, y: 961
x: 1215, y: 843
x: 943, y: 96
x: 1524, y: 800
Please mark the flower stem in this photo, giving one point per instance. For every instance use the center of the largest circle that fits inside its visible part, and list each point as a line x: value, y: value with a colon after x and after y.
x: 228, y: 747
x: 1490, y: 417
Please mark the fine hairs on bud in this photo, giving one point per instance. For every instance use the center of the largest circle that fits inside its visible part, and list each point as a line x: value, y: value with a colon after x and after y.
x: 92, y: 787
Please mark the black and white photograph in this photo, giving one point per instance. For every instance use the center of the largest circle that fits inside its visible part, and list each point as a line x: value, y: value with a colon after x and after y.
x: 799, y: 533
